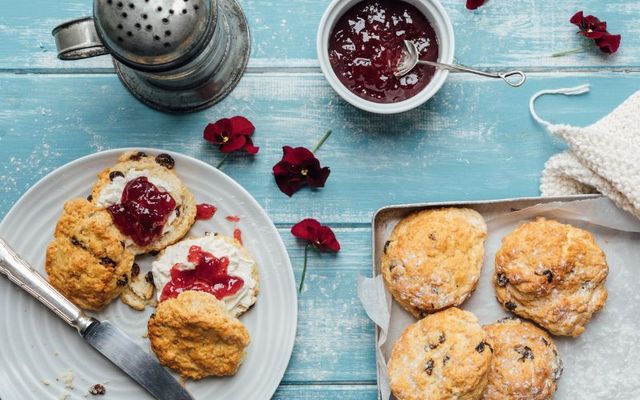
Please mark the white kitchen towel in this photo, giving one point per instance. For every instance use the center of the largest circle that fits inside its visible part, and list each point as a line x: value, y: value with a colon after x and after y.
x: 603, y: 157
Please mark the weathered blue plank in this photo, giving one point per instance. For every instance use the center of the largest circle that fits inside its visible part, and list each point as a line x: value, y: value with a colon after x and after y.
x: 475, y: 140
x: 521, y: 33
x: 324, y: 392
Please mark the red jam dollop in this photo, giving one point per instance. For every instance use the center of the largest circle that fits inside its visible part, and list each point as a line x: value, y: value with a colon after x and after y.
x: 143, y: 211
x: 205, y: 211
x: 366, y: 46
x: 232, y: 218
x: 210, y: 275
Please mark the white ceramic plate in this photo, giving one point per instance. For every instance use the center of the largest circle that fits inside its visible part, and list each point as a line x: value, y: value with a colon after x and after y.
x: 37, y: 349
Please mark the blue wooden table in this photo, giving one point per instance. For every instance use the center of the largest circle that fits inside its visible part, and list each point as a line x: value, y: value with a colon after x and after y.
x: 474, y: 140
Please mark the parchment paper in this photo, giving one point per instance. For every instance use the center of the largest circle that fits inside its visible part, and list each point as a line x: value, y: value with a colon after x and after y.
x: 602, y: 363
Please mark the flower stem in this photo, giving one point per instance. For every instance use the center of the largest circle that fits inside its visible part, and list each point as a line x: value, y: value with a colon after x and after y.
x: 580, y: 49
x: 223, y: 160
x: 304, y: 268
x: 321, y: 142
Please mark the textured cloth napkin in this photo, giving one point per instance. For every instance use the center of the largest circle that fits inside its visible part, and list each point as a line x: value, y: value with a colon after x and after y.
x: 602, y: 158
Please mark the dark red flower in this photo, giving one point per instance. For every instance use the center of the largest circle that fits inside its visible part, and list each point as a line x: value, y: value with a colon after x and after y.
x: 596, y: 30
x: 319, y: 236
x: 474, y: 4
x: 297, y: 168
x: 590, y: 26
x: 231, y: 134
x: 609, y: 43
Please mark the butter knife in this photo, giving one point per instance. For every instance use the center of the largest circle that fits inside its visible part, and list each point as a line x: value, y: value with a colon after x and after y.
x: 103, y: 336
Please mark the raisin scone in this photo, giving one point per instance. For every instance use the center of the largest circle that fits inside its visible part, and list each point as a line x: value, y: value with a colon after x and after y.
x: 147, y: 201
x: 525, y: 365
x: 552, y: 274
x: 213, y: 263
x: 433, y: 258
x: 443, y: 356
x: 87, y: 261
x: 140, y: 290
x: 195, y: 336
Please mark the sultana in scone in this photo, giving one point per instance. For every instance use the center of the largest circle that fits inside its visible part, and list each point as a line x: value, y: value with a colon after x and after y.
x: 433, y: 259
x: 87, y: 261
x: 139, y: 181
x: 525, y: 364
x: 443, y: 356
x: 195, y: 336
x: 552, y: 274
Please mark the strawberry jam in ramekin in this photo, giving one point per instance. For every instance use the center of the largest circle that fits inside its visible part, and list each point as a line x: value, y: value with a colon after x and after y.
x: 366, y: 45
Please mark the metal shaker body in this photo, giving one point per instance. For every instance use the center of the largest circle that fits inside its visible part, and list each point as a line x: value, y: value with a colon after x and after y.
x: 173, y: 55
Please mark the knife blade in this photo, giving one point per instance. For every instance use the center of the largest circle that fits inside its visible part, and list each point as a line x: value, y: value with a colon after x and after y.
x: 103, y: 336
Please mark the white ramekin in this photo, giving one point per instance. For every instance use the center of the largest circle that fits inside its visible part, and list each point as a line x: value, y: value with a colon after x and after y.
x: 441, y: 23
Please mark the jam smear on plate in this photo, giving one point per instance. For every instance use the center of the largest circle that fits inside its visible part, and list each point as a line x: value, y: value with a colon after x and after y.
x: 210, y: 275
x: 232, y: 218
x: 205, y: 211
x: 365, y: 48
x: 237, y: 235
x: 143, y: 211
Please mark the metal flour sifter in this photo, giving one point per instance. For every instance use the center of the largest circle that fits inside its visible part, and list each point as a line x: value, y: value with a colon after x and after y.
x: 173, y: 55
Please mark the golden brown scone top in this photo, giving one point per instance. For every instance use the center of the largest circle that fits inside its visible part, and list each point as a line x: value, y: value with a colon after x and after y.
x: 525, y: 364
x: 194, y: 335
x: 433, y: 258
x: 553, y: 274
x: 87, y: 261
x: 443, y: 356
x: 162, y: 167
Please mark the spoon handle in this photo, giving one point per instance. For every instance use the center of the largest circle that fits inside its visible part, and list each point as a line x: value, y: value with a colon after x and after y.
x: 512, y: 78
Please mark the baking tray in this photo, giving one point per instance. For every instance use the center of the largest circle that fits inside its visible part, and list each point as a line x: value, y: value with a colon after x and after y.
x: 386, y: 218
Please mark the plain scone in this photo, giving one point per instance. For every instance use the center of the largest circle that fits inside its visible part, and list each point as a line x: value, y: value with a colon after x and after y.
x: 433, y: 259
x: 443, y: 356
x: 194, y: 335
x: 87, y: 260
x: 552, y: 274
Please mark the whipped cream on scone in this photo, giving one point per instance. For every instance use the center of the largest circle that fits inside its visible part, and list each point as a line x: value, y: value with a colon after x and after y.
x: 240, y: 265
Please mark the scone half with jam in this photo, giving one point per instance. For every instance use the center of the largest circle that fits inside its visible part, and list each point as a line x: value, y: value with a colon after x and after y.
x: 433, y: 258
x: 147, y: 201
x: 215, y: 264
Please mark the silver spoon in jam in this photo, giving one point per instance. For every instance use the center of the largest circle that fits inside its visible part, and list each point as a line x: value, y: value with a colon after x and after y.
x: 411, y: 57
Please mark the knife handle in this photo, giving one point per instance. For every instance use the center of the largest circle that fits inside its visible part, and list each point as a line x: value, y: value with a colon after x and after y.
x: 28, y: 279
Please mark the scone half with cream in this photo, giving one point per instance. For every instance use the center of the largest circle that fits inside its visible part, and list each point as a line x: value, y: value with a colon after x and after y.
x: 215, y: 264
x: 432, y: 259
x: 147, y: 201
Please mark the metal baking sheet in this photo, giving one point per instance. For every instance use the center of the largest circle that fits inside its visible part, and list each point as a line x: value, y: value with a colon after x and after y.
x: 386, y: 218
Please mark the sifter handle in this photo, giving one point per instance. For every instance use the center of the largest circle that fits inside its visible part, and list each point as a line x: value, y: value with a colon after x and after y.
x: 78, y: 39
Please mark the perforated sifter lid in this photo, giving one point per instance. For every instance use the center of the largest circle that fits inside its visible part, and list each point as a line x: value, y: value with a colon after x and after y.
x: 155, y: 34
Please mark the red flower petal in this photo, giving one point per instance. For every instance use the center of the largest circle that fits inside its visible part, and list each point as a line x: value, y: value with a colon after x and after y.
x: 250, y: 148
x: 234, y: 143
x: 214, y: 132
x: 577, y: 18
x: 474, y: 4
x: 609, y: 43
x: 241, y: 126
x: 319, y: 236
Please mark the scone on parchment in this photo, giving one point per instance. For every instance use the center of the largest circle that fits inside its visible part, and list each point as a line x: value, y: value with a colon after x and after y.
x: 159, y: 171
x: 87, y: 261
x: 552, y: 274
x: 443, y: 356
x: 433, y: 258
x: 525, y: 365
x: 194, y: 335
x: 239, y: 284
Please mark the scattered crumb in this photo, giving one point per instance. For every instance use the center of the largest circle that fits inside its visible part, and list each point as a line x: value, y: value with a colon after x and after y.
x: 68, y: 379
x: 145, y: 335
x: 64, y: 396
x: 46, y: 382
x: 55, y: 353
x: 97, y: 389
